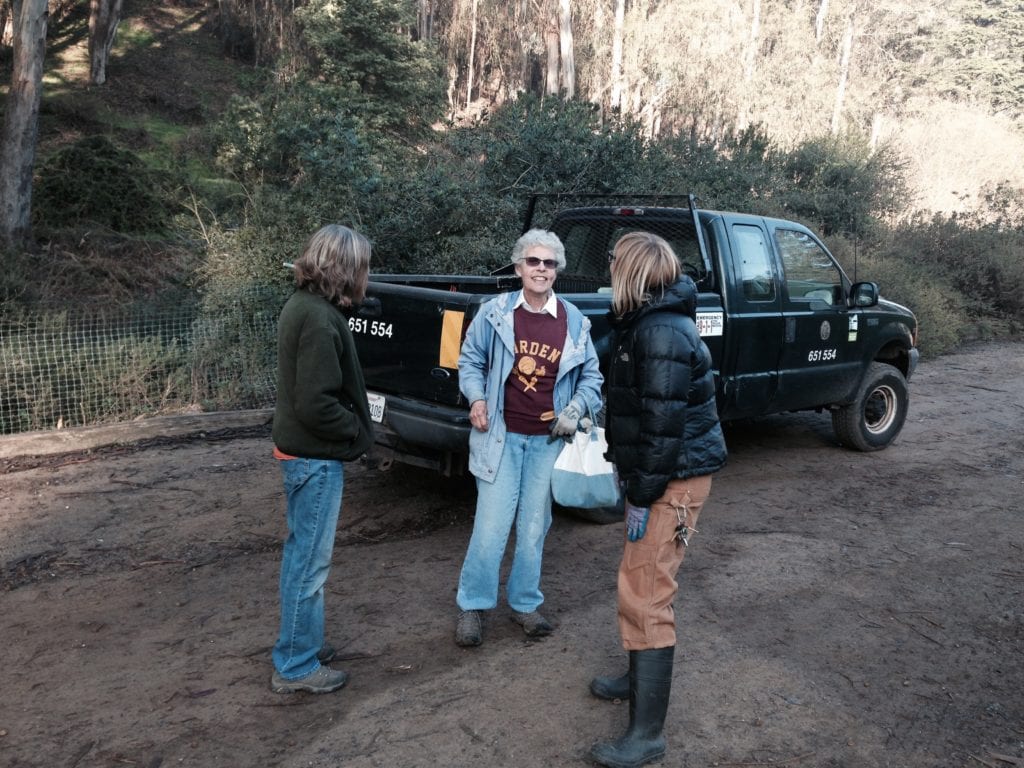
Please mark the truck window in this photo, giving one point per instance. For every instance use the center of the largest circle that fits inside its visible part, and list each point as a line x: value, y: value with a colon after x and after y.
x: 680, y: 237
x: 588, y: 241
x: 753, y: 263
x: 585, y: 252
x: 811, y: 274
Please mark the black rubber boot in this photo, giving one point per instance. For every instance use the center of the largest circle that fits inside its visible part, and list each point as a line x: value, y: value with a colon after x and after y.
x: 611, y: 688
x: 650, y: 683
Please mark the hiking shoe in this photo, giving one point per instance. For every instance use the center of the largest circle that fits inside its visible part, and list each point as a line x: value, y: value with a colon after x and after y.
x: 326, y: 654
x: 321, y: 680
x: 469, y: 631
x: 533, y: 624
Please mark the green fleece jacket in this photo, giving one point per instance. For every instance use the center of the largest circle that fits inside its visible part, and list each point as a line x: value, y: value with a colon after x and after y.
x: 321, y: 410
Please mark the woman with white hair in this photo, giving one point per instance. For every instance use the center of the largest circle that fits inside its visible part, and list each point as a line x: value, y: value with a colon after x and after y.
x: 530, y: 372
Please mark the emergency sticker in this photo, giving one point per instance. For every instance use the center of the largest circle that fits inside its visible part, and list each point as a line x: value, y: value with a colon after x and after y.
x: 852, y: 334
x: 710, y: 323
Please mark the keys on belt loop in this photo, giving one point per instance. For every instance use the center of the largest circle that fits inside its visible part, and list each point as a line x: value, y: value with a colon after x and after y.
x: 682, y: 531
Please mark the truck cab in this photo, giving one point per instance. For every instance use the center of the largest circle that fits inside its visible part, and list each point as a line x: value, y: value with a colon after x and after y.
x: 786, y: 327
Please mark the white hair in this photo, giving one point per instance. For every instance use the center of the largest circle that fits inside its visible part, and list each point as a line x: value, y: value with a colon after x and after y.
x: 542, y: 238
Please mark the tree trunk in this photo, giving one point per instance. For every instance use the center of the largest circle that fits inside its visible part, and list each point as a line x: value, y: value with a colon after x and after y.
x: 255, y: 35
x: 750, y: 56
x: 615, y: 101
x: 844, y: 74
x: 424, y: 19
x: 819, y: 21
x: 472, y: 55
x: 551, y: 40
x: 21, y: 121
x: 566, y: 49
x: 524, y: 53
x: 104, y: 16
x: 876, y: 131
x: 5, y: 22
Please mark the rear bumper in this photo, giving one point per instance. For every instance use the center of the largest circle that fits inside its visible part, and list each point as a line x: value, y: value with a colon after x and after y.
x: 423, y: 434
x: 427, y: 425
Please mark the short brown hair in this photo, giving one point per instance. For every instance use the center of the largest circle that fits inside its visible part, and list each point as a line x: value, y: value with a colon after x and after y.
x: 644, y: 264
x: 335, y: 264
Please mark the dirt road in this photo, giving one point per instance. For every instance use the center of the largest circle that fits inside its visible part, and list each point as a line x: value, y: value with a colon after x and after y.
x: 836, y: 608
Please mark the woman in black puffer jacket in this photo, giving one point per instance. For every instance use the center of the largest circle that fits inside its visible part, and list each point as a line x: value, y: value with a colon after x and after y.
x: 665, y: 441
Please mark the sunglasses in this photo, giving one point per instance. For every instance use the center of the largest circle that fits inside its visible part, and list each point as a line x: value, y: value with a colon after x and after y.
x: 533, y: 261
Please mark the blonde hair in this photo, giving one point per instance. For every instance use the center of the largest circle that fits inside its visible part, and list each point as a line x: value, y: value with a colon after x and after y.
x: 542, y: 238
x: 644, y: 264
x: 335, y: 264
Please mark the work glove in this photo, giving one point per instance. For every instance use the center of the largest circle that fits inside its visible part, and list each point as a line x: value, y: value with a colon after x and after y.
x: 636, y: 521
x: 567, y: 423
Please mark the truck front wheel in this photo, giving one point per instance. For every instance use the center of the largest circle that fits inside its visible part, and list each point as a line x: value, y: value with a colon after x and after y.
x: 873, y: 420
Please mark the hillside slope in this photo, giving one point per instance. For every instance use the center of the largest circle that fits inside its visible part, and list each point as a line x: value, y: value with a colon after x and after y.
x: 167, y: 80
x: 166, y: 77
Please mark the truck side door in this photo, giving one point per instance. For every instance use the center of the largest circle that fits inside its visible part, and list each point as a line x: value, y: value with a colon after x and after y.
x: 754, y: 328
x: 821, y: 357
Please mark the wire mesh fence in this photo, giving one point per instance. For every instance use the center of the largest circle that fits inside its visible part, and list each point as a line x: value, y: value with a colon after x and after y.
x: 91, y: 365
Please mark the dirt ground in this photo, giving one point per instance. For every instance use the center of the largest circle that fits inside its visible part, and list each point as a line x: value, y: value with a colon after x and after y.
x: 836, y: 608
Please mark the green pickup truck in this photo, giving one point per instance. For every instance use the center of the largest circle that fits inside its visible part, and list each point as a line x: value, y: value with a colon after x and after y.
x: 787, y: 329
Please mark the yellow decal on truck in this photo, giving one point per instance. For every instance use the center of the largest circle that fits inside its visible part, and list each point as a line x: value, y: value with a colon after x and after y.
x: 451, y: 338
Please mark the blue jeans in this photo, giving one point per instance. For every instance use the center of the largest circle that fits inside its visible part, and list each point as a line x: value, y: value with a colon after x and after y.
x: 313, y: 488
x: 520, y: 493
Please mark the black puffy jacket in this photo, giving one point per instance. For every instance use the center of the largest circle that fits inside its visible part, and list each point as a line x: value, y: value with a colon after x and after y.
x: 662, y: 422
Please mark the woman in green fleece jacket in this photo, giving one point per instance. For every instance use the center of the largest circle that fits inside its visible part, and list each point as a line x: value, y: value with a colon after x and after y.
x: 321, y: 420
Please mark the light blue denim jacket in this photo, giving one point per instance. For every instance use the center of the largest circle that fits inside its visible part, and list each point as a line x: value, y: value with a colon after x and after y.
x: 486, y: 361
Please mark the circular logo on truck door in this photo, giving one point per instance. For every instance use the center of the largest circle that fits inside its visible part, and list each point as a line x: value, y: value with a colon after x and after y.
x: 826, y: 330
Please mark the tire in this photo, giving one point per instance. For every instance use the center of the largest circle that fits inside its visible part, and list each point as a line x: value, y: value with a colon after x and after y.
x: 876, y: 416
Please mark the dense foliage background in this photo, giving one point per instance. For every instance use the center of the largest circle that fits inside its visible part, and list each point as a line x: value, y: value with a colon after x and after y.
x: 228, y: 131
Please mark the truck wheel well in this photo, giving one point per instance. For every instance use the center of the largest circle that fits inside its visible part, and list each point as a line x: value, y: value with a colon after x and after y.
x: 895, y: 354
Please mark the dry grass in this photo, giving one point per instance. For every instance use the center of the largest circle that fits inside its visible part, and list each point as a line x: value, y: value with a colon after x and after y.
x: 956, y: 153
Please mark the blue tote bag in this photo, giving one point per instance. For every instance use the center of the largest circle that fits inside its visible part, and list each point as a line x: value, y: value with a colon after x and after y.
x: 582, y: 477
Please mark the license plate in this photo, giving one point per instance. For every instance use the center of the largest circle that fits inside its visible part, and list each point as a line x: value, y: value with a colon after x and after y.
x: 376, y: 406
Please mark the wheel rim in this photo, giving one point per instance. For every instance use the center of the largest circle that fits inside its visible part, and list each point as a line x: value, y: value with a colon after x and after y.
x: 880, y: 409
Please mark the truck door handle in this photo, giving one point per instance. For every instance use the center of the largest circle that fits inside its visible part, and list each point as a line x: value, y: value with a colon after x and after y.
x: 370, y: 307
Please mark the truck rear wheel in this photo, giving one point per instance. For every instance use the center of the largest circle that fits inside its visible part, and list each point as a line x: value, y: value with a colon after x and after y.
x: 598, y: 516
x: 873, y: 420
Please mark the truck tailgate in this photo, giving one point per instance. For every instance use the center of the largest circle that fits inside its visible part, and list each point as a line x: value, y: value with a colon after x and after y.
x: 408, y: 339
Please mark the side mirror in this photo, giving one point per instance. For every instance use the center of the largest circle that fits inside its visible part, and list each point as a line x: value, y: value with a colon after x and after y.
x: 864, y: 295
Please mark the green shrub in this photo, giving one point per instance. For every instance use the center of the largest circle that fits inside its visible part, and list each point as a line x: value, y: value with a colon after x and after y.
x: 233, y: 355
x: 982, y: 259
x: 94, y: 182
x: 941, y: 311
x: 359, y: 51
x: 842, y: 186
x: 738, y: 175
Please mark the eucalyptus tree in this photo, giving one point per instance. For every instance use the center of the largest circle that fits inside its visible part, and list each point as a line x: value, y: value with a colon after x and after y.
x: 104, y: 17
x: 21, y: 121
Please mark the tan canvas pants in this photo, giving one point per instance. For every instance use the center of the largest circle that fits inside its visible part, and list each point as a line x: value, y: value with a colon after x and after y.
x: 647, y: 574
